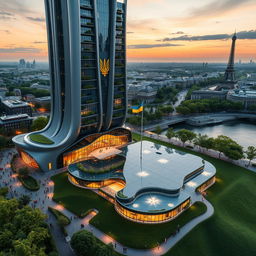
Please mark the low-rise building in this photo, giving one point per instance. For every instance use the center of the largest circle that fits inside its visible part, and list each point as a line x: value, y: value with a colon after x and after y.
x: 15, y: 122
x: 3, y: 92
x: 40, y: 86
x: 208, y: 94
x: 15, y: 106
x: 246, y: 97
x: 147, y: 95
x: 43, y: 101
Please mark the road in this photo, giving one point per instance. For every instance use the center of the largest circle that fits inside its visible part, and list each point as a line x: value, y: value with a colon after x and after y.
x: 181, y: 97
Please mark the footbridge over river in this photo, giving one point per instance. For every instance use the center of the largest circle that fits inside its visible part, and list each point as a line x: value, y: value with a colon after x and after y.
x: 200, y: 119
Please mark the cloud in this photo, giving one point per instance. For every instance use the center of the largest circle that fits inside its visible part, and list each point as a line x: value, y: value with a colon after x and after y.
x: 147, y: 46
x: 6, y: 31
x: 130, y: 32
x: 37, y: 19
x: 218, y: 7
x: 251, y: 34
x: 20, y: 50
x: 6, y: 15
x: 39, y: 42
x: 15, y: 7
x: 178, y: 33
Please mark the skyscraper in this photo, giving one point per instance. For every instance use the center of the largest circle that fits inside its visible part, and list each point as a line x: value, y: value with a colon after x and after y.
x: 230, y: 71
x: 87, y: 58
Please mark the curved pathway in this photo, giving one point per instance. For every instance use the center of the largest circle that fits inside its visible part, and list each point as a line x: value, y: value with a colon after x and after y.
x: 42, y: 199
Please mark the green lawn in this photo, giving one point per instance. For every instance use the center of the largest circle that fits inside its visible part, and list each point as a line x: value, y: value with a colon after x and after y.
x: 232, y: 229
x: 39, y: 138
x: 129, y: 233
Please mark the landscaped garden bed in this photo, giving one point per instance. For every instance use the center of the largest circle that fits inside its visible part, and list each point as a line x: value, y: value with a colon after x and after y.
x: 29, y: 182
x: 39, y: 138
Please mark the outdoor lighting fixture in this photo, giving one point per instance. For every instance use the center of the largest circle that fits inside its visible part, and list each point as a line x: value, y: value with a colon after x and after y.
x: 153, y: 201
x: 146, y: 151
x: 206, y: 173
x: 163, y: 161
x: 143, y: 174
x: 170, y: 205
x: 135, y: 205
x: 191, y: 184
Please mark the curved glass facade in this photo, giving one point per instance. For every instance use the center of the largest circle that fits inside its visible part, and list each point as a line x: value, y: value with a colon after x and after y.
x: 157, y: 193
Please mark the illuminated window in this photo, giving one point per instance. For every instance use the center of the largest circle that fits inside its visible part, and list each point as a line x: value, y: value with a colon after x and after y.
x: 29, y: 160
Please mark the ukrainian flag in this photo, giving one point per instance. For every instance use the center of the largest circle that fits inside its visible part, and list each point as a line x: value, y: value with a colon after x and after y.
x: 137, y: 109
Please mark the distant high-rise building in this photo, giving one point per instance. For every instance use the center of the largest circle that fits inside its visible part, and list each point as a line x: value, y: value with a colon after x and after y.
x: 28, y: 64
x: 230, y: 71
x: 87, y: 56
x: 33, y: 65
x: 22, y: 63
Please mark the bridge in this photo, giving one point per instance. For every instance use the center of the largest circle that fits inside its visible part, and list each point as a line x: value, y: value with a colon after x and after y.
x: 200, y: 119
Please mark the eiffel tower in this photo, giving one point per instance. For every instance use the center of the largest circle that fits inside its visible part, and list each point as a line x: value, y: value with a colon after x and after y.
x: 230, y: 71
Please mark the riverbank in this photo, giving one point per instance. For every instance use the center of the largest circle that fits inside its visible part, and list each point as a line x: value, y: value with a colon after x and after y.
x: 240, y: 131
x: 190, y: 146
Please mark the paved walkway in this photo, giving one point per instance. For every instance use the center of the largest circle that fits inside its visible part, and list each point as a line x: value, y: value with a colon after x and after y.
x: 42, y: 199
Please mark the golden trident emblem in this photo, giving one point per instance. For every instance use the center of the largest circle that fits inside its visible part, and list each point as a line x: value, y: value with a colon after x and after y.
x: 104, y: 67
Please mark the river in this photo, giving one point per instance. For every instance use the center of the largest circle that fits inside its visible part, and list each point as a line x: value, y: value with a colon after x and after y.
x: 243, y: 133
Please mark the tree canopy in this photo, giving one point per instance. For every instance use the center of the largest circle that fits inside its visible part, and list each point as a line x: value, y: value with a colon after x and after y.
x: 85, y: 244
x: 23, y: 230
x: 207, y: 106
x: 39, y: 123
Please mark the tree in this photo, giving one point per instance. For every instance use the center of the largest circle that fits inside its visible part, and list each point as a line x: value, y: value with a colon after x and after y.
x: 170, y: 133
x: 209, y: 143
x: 23, y: 230
x: 63, y: 221
x: 158, y: 130
x: 24, y: 200
x: 185, y: 135
x: 39, y: 123
x: 3, y: 142
x: 83, y: 243
x: 221, y: 143
x: 250, y: 153
x: 229, y: 147
x: 104, y: 251
x: 4, y: 191
x: 200, y: 139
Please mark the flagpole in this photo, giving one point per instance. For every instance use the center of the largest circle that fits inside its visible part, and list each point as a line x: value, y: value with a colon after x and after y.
x: 141, y: 131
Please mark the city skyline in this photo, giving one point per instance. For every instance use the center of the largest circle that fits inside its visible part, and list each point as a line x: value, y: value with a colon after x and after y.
x: 158, y: 31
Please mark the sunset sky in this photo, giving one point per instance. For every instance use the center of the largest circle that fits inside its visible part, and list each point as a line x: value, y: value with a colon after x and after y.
x: 158, y: 30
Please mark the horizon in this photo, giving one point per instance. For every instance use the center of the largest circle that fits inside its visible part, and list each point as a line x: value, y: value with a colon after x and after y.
x: 188, y: 32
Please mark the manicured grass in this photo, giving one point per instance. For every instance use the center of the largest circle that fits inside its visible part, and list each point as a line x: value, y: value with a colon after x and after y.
x: 231, y: 231
x: 39, y: 138
x: 29, y: 183
x: 128, y: 233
